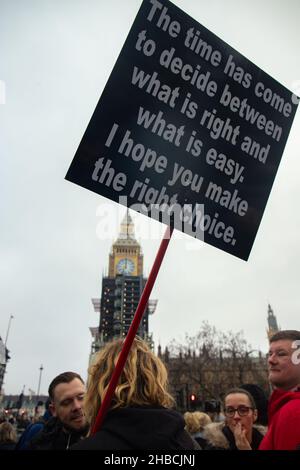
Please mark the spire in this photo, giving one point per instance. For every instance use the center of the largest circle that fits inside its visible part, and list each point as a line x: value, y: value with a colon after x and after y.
x: 270, y: 311
x: 127, y: 227
x: 272, y: 322
x: 126, y: 233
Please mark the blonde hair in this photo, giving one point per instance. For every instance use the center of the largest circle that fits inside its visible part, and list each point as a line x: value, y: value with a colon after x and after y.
x: 143, y: 381
x: 7, y: 433
x: 196, y: 421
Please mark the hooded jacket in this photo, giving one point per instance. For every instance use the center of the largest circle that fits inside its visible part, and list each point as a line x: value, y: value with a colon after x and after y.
x: 140, y: 428
x: 284, y: 421
x: 53, y: 437
x: 219, y: 437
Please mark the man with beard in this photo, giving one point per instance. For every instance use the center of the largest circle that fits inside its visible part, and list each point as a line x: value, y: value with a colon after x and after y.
x: 68, y: 424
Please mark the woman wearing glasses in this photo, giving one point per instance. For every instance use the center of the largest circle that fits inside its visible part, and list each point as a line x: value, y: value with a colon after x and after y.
x: 238, y: 431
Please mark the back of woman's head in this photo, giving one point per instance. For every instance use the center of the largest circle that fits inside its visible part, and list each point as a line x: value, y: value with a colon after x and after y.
x: 7, y: 433
x: 143, y: 381
x: 203, y: 419
x: 195, y: 421
x: 261, y: 402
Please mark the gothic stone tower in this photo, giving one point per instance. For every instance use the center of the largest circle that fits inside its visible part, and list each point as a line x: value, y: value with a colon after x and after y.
x: 272, y: 323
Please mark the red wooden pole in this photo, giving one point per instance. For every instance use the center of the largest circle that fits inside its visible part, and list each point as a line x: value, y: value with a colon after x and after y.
x: 132, y: 330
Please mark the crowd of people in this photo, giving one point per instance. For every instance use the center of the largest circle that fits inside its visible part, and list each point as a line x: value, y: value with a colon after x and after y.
x: 141, y: 415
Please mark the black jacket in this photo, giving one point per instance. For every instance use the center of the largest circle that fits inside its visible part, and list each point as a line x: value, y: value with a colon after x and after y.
x: 53, y: 437
x: 141, y: 428
x: 7, y: 446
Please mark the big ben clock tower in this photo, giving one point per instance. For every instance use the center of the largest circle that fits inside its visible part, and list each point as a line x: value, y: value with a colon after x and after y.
x: 126, y: 256
x: 121, y: 290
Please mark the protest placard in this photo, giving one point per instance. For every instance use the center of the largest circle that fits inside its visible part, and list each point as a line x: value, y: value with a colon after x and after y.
x: 187, y: 127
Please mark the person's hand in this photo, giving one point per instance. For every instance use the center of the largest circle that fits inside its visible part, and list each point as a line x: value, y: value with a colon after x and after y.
x: 241, y: 440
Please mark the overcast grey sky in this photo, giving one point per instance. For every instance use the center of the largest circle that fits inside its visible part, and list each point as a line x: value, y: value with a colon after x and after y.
x: 55, y: 58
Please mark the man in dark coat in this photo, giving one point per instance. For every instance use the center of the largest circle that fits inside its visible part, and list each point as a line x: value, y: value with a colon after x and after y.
x: 68, y: 423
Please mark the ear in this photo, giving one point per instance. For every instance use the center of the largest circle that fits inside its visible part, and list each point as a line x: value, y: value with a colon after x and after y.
x: 52, y: 409
x: 254, y: 415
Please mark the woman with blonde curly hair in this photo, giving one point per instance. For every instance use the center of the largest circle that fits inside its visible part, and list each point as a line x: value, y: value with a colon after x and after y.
x: 140, y: 414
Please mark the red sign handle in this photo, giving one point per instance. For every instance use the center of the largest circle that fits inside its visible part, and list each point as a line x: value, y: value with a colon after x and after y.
x: 132, y: 330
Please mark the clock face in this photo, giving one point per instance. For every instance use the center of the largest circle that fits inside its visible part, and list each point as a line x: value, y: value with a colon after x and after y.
x: 125, y: 266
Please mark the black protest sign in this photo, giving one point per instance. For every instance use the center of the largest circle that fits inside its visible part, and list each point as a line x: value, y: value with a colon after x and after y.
x: 188, y: 124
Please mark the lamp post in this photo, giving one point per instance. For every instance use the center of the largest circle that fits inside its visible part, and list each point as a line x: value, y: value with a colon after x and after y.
x: 40, y: 378
x: 6, y: 355
x: 10, y: 319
